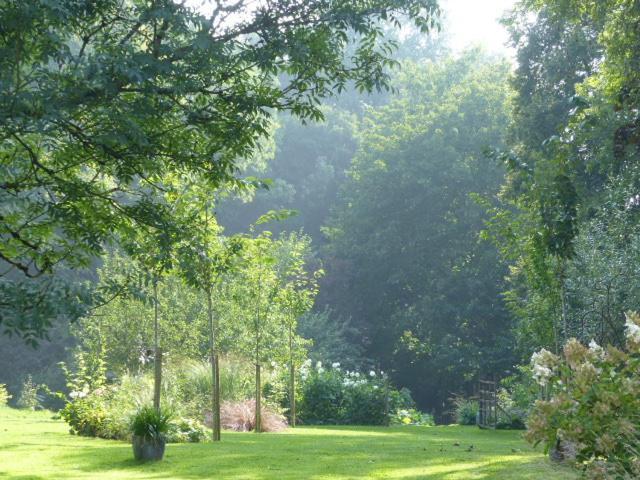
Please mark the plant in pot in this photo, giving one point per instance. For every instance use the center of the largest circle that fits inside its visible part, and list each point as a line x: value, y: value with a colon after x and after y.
x: 149, y: 428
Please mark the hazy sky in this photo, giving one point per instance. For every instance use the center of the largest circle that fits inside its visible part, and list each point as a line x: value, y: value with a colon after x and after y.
x: 476, y: 22
x: 467, y: 22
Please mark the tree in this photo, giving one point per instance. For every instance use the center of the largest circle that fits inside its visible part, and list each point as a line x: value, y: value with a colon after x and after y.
x: 118, y: 94
x: 404, y: 261
x: 204, y: 261
x: 572, y: 149
x: 296, y: 296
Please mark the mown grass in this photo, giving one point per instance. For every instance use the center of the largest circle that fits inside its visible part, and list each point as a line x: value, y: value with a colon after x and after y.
x: 34, y: 446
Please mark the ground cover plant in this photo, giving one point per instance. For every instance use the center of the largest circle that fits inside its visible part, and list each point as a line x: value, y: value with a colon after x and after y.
x: 34, y: 446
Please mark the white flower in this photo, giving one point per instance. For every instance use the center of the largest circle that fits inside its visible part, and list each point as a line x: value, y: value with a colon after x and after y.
x: 319, y: 365
x: 542, y: 363
x: 372, y: 373
x: 375, y: 387
x: 77, y: 394
x: 596, y: 349
x: 320, y: 370
x: 632, y: 330
x: 541, y: 374
x: 335, y: 365
x: 356, y: 374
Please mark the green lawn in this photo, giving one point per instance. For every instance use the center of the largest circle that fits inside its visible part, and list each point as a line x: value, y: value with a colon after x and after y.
x: 33, y: 446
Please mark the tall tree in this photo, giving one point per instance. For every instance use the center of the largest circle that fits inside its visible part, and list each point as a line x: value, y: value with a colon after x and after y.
x: 405, y: 263
x: 118, y: 93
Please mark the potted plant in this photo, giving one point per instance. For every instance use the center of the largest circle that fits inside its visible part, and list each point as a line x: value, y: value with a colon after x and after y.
x: 149, y: 428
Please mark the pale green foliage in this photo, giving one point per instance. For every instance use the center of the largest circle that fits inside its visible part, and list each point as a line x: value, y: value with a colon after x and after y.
x: 4, y: 395
x: 28, y: 398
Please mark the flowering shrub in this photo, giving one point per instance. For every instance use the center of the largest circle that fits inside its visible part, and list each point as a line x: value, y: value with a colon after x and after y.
x: 334, y: 396
x: 594, y: 400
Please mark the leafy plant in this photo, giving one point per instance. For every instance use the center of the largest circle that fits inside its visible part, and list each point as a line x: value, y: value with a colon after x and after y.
x: 465, y: 410
x: 334, y: 396
x: 86, y: 417
x: 186, y: 430
x: 593, y: 403
x: 28, y: 395
x: 150, y: 423
x: 411, y: 416
x: 4, y: 395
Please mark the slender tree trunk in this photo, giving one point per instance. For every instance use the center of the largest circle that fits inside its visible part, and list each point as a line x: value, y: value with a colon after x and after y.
x: 292, y: 377
x: 157, y: 353
x: 563, y: 302
x: 216, y: 397
x: 258, y: 418
x: 213, y: 357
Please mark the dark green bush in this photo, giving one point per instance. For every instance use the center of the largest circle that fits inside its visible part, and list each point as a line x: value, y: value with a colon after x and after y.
x: 333, y: 396
x: 465, y: 410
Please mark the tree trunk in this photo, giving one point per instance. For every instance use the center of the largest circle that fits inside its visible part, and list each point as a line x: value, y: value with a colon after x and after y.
x: 157, y: 353
x: 258, y: 417
x: 216, y: 399
x: 213, y: 357
x: 292, y: 378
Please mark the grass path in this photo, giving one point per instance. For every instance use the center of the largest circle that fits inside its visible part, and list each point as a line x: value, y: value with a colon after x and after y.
x: 33, y: 446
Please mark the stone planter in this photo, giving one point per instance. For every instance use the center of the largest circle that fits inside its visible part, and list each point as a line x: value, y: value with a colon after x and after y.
x: 147, y: 449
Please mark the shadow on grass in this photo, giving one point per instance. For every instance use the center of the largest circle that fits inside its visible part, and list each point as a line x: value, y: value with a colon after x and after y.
x: 327, y: 453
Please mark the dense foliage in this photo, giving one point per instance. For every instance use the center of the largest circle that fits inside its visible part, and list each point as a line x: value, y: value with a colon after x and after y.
x: 331, y: 395
x: 117, y: 100
x: 404, y: 262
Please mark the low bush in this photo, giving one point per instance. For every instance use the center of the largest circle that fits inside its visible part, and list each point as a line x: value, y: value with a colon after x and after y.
x: 4, y: 395
x: 593, y: 403
x: 412, y: 416
x: 240, y: 416
x: 185, y: 430
x: 333, y: 396
x: 465, y: 410
x: 28, y: 397
x: 86, y: 416
x: 510, y: 415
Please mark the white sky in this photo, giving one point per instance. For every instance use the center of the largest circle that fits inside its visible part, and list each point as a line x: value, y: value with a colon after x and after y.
x: 466, y: 22
x: 472, y: 22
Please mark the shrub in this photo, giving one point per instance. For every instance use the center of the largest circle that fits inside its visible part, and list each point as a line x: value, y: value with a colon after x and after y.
x: 334, y: 396
x: 411, y: 416
x: 593, y: 404
x: 187, y: 430
x: 4, y: 395
x: 465, y: 410
x: 150, y: 423
x: 510, y: 416
x: 240, y: 416
x: 86, y: 416
x: 323, y: 394
x: 28, y: 395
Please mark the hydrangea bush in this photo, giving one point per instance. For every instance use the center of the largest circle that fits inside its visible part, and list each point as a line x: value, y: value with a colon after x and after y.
x: 593, y: 403
x: 331, y: 395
